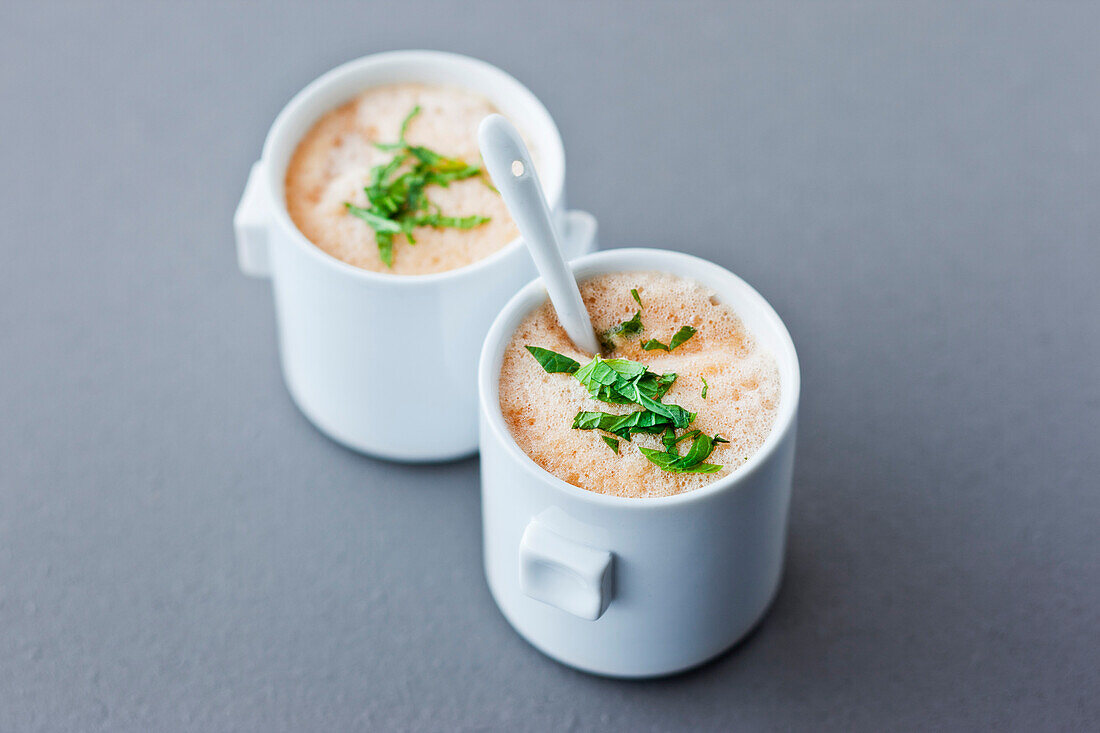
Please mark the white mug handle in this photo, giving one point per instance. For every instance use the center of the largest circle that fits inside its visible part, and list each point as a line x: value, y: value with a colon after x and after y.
x: 563, y: 573
x: 250, y: 224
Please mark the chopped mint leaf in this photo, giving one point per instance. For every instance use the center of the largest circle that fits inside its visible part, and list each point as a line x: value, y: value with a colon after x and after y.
x: 595, y: 375
x: 594, y: 420
x: 622, y: 381
x: 689, y: 435
x: 630, y: 327
x: 624, y: 426
x: 552, y: 361
x: 672, y: 464
x: 455, y: 222
x: 626, y: 368
x: 681, y: 336
x: 679, y: 417
x: 605, y: 378
x: 405, y: 123
x: 388, y: 147
x: 404, y: 129
x: 379, y: 174
x: 704, y: 387
x: 669, y: 439
x: 398, y: 202
x: 377, y: 223
x: 678, y: 338
x: 385, y: 247
x: 425, y: 156
x: 654, y: 386
x: 701, y: 447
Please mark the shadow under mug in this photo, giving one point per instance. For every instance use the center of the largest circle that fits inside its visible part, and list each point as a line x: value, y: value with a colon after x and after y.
x: 636, y: 587
x: 367, y: 355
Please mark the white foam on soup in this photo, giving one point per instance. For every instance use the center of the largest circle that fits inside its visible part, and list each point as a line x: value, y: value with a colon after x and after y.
x: 742, y: 396
x: 333, y: 163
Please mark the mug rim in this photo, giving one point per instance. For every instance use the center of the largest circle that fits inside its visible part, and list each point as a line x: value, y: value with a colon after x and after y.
x: 618, y: 260
x: 554, y: 187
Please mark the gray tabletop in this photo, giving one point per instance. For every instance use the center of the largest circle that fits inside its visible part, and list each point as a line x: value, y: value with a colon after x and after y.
x: 915, y: 189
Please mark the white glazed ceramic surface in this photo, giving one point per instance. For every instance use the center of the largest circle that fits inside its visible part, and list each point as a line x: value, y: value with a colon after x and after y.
x: 509, y: 163
x: 358, y: 347
x: 636, y: 587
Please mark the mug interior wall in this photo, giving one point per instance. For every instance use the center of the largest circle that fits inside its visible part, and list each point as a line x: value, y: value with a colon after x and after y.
x: 345, y: 82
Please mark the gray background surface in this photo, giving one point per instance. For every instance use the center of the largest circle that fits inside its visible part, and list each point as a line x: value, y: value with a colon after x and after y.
x: 913, y: 186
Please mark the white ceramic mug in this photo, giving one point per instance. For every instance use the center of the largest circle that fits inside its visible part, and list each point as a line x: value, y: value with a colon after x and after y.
x: 386, y: 364
x: 636, y: 587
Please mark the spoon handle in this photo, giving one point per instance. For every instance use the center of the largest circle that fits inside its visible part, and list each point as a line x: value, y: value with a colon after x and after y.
x: 513, y: 173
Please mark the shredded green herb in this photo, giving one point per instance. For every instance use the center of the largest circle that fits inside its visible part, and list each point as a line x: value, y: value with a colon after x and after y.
x: 624, y: 426
x: 691, y: 462
x: 630, y: 327
x: 623, y: 382
x: 398, y: 203
x: 554, y: 362
x: 678, y: 338
x: 704, y: 386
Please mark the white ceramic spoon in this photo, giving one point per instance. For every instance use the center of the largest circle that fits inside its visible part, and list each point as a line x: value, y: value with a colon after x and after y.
x: 509, y: 164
